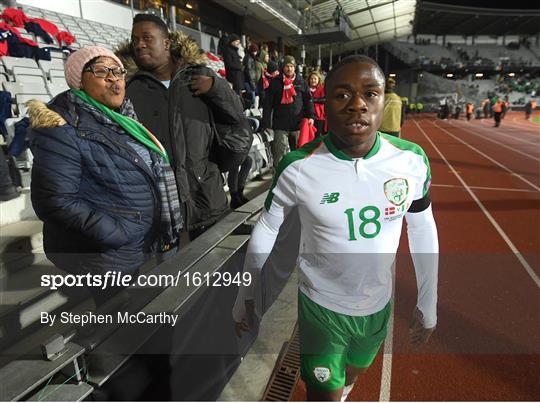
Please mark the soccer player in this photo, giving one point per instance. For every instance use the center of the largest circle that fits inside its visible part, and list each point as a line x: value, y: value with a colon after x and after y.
x: 352, y: 188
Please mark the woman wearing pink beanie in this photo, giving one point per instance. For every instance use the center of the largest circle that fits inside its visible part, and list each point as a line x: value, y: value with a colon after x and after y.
x: 101, y: 182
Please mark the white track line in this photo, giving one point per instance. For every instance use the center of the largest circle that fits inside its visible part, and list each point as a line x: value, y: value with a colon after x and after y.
x: 488, y: 157
x: 386, y: 372
x: 527, y: 124
x: 525, y: 131
x: 513, y: 136
x: 496, y: 142
x: 492, y: 220
x: 485, y: 188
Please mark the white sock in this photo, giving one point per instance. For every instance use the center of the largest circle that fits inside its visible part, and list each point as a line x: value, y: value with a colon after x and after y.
x: 346, y: 390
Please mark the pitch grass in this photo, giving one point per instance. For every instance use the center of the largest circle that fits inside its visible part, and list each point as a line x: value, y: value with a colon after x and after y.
x: 536, y: 119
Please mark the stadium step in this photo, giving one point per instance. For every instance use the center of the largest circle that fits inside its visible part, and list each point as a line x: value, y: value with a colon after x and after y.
x: 23, y: 299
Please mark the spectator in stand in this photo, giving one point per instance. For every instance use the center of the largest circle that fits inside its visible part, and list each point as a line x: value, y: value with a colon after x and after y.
x: 150, y: 50
x: 233, y: 64
x: 498, y: 109
x: 287, y: 102
x: 223, y: 43
x: 392, y: 117
x: 250, y: 74
x: 316, y: 89
x: 261, y: 64
x: 101, y: 181
x: 469, y: 110
x: 199, y: 99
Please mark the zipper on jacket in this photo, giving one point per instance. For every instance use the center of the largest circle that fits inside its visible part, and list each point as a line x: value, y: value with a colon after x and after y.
x: 127, y: 213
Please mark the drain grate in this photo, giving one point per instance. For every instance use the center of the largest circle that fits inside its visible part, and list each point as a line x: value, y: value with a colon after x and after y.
x: 286, y: 372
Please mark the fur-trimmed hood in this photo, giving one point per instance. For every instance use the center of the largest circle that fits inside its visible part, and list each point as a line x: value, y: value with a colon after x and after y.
x: 41, y: 116
x: 182, y: 46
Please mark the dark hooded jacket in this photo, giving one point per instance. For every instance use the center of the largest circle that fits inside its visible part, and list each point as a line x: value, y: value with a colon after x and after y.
x: 98, y: 199
x: 188, y: 133
x: 233, y: 66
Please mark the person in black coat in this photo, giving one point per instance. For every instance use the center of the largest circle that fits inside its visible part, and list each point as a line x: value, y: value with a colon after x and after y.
x: 107, y: 198
x: 233, y: 64
x: 198, y: 98
x: 199, y: 182
x: 287, y: 101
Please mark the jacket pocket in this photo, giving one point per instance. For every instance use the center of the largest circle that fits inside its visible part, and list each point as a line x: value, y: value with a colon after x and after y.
x: 120, y: 211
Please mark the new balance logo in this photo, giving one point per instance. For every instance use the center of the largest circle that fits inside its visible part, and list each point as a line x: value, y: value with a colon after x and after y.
x: 330, y: 198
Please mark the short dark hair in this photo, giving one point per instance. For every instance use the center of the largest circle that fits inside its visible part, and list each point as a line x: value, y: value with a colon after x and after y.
x: 352, y: 59
x: 152, y: 18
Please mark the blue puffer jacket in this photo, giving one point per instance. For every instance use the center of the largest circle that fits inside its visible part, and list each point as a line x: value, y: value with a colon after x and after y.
x: 97, y: 197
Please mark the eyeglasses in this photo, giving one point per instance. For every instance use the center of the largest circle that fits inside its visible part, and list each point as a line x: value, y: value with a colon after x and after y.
x: 103, y: 71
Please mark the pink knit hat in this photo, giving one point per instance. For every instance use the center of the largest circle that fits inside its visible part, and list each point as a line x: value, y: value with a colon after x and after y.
x: 76, y: 61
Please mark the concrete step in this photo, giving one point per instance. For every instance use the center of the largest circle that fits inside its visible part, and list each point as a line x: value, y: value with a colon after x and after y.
x: 17, y: 209
x: 21, y: 244
x: 22, y: 299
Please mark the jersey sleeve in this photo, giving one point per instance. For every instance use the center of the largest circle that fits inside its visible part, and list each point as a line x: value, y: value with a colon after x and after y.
x: 424, y: 248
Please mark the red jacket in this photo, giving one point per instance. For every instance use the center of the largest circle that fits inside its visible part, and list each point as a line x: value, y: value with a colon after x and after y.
x: 47, y: 26
x: 15, y: 17
x: 318, y: 97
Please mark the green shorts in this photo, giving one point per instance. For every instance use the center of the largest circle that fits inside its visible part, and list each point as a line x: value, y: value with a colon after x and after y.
x: 331, y: 341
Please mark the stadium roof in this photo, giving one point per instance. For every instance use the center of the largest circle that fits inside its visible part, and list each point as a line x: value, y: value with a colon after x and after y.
x: 477, y: 18
x: 371, y: 21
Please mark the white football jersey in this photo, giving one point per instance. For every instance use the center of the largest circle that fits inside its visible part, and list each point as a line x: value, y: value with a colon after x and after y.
x: 351, y: 213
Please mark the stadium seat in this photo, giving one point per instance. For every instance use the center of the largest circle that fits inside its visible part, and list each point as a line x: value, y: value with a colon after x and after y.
x: 27, y: 71
x: 56, y: 88
x: 28, y: 36
x: 46, y: 66
x: 17, y: 88
x: 29, y: 78
x: 56, y: 75
x: 11, y: 62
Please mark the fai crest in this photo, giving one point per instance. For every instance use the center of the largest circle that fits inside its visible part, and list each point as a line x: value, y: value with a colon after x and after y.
x: 322, y: 374
x: 396, y: 190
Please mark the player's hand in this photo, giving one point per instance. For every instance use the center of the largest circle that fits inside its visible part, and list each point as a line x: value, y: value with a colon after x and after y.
x: 311, y: 122
x: 418, y: 334
x: 246, y: 324
x: 200, y: 85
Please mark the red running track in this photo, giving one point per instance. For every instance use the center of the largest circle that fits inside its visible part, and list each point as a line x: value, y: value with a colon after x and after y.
x: 486, y: 201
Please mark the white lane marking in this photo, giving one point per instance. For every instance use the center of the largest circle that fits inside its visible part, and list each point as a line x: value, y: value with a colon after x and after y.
x: 502, y: 132
x: 386, y: 372
x: 492, y: 220
x: 485, y: 188
x: 497, y: 143
x: 527, y: 124
x: 488, y: 157
x: 524, y: 131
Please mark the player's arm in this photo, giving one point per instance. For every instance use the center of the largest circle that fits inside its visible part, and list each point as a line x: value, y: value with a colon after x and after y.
x: 281, y: 198
x: 424, y: 248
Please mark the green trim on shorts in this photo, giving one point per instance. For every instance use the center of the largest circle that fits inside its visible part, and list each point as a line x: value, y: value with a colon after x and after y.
x: 331, y: 341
